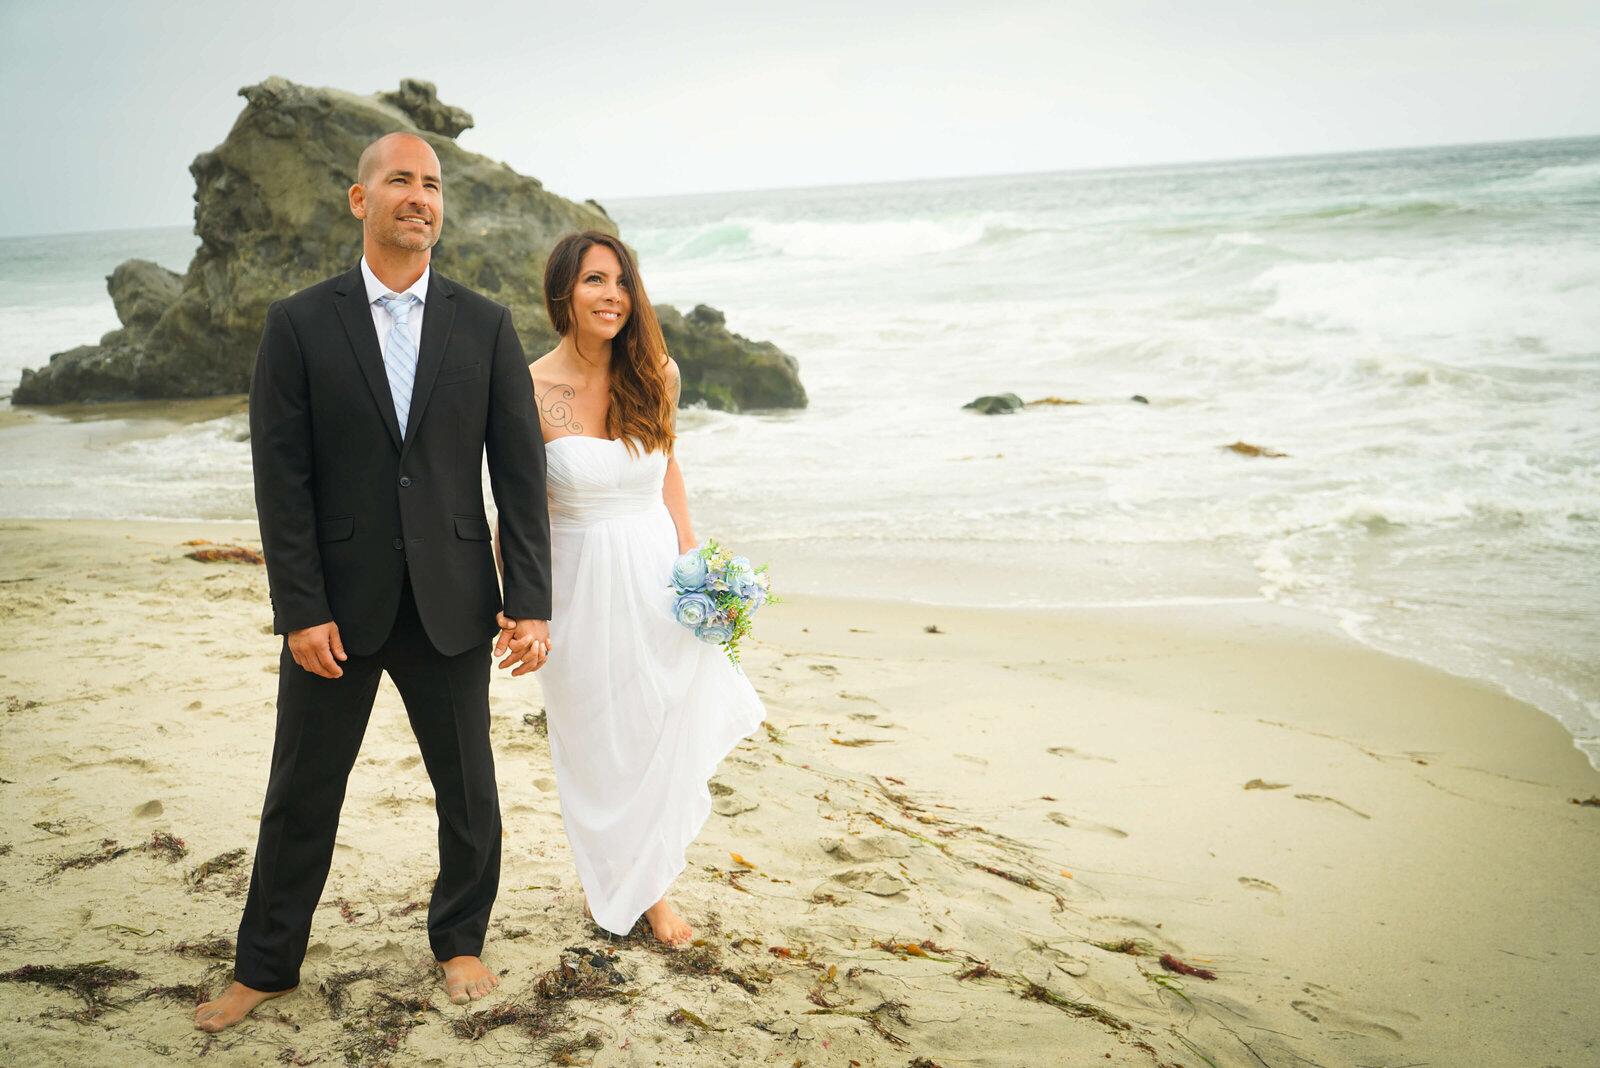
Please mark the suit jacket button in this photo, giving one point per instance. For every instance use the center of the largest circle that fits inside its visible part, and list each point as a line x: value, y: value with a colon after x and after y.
x: 398, y: 544
x: 405, y: 481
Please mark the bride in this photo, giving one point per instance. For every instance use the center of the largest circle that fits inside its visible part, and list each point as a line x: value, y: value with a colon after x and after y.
x: 639, y: 711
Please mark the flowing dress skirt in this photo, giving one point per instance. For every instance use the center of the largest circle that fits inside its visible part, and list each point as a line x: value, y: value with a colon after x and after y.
x: 639, y: 711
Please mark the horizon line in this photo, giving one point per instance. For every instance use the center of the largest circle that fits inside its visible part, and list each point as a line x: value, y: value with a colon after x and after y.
x: 1088, y: 170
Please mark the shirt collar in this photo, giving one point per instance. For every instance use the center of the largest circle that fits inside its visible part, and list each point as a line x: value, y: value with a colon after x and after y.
x: 376, y: 289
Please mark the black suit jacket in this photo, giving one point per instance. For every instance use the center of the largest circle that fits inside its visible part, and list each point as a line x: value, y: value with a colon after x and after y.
x: 347, y: 503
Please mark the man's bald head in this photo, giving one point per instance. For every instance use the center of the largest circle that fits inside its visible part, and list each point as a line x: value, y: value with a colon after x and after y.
x: 376, y: 155
x: 398, y: 196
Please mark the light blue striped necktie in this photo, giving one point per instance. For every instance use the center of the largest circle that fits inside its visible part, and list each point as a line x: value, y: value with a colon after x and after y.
x: 400, y: 355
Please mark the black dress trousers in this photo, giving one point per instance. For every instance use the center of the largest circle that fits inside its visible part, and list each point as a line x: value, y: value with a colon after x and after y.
x: 320, y: 725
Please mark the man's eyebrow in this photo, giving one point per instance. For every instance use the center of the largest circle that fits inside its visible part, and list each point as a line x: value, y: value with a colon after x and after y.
x: 402, y: 173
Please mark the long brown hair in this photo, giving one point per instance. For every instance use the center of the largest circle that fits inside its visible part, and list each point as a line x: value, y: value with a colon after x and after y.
x: 641, y: 399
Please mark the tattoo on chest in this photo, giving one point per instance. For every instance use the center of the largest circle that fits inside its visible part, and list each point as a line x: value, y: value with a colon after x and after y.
x: 555, y: 404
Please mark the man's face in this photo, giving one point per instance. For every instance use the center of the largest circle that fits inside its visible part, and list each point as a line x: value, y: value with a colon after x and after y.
x: 402, y: 202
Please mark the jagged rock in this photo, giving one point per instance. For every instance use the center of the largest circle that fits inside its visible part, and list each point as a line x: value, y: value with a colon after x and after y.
x: 272, y: 214
x: 997, y: 404
x: 420, y: 100
x: 723, y: 370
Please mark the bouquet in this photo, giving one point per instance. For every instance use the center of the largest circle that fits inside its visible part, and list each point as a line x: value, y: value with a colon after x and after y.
x: 718, y: 592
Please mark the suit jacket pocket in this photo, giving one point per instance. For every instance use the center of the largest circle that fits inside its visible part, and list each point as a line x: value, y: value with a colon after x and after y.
x: 449, y: 376
x: 339, y: 528
x: 472, y: 527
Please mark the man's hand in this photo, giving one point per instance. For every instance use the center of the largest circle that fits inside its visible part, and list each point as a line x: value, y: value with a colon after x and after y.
x: 523, y: 642
x: 318, y: 649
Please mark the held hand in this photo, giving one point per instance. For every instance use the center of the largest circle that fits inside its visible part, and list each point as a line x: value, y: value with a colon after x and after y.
x: 318, y: 649
x: 503, y: 642
x: 528, y: 642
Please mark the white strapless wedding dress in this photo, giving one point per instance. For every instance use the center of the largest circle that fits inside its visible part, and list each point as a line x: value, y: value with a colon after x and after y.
x: 640, y: 712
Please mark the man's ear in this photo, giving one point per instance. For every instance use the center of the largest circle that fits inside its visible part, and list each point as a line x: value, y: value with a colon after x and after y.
x: 358, y: 201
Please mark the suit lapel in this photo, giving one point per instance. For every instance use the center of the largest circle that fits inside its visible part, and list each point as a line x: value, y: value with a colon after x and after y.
x: 356, y: 314
x: 436, y: 323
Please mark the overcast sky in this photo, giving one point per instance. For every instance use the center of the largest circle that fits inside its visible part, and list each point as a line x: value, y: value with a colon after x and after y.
x: 105, y: 104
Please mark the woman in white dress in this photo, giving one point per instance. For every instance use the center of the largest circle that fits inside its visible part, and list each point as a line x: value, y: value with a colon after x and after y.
x: 639, y: 711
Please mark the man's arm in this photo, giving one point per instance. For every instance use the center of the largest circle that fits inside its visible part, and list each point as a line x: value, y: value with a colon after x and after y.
x: 281, y: 457
x: 515, y: 451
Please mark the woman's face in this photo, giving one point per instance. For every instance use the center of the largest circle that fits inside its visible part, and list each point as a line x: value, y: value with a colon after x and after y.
x: 600, y: 302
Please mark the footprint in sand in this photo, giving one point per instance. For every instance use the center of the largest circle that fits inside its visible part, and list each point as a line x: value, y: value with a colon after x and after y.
x: 1257, y: 884
x: 1068, y: 751
x: 544, y: 785
x: 1085, y: 825
x: 1344, y: 1021
x: 863, y: 717
x: 854, y: 849
x: 149, y: 810
x: 1332, y: 801
x: 876, y: 883
x: 971, y: 759
x: 825, y: 669
x: 406, y: 763
x: 726, y: 801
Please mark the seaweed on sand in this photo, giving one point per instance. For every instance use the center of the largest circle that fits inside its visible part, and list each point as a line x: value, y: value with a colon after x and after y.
x: 220, y: 864
x: 336, y: 987
x: 559, y: 1051
x: 167, y: 845
x: 181, y: 993
x: 1034, y: 992
x: 686, y: 1018
x: 217, y: 948
x: 107, y: 850
x: 90, y: 981
x: 226, y: 554
x: 875, y: 1016
x: 535, y: 1020
x: 384, y: 1024
x: 1178, y: 967
x: 1022, y: 880
x: 926, y: 948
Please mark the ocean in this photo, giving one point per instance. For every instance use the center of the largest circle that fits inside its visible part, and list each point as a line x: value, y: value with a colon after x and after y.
x: 1416, y: 332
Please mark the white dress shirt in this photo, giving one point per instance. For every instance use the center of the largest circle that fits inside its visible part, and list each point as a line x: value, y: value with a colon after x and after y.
x: 382, y: 321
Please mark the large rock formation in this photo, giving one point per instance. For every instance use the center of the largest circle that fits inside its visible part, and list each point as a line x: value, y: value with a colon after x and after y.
x: 272, y: 215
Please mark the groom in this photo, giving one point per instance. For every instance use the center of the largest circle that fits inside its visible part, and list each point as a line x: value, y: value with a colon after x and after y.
x: 374, y: 398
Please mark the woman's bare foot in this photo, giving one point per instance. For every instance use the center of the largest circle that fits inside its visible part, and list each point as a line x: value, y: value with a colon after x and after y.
x: 234, y: 1005
x: 466, y: 979
x: 668, y: 926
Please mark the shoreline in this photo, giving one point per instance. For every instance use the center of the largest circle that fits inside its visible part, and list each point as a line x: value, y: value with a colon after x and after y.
x: 923, y: 575
x: 1380, y: 862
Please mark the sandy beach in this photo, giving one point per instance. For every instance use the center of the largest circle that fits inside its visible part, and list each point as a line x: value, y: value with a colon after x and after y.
x: 963, y: 837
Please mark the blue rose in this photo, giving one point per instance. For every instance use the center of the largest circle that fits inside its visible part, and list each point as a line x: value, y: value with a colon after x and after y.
x: 715, y: 631
x: 689, y: 571
x: 693, y: 609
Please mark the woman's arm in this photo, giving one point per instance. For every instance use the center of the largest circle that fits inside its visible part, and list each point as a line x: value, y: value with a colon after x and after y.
x: 673, y: 492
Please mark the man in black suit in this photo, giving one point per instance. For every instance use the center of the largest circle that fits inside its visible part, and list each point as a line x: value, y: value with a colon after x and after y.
x: 374, y: 399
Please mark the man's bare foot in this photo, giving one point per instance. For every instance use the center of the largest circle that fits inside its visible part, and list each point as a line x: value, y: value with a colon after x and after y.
x: 234, y: 1005
x: 466, y: 979
x: 668, y: 926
